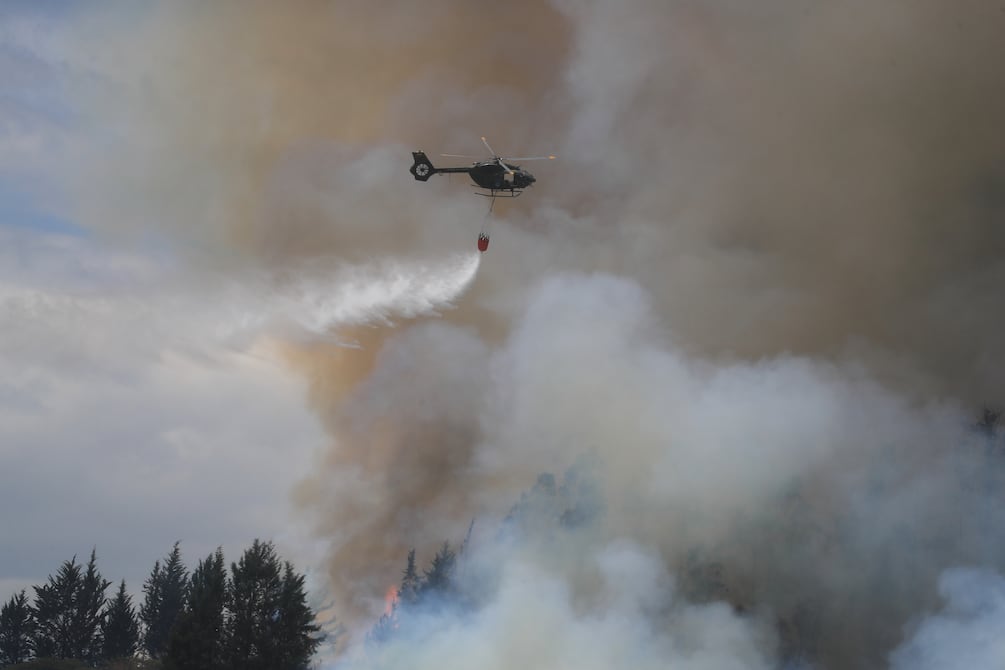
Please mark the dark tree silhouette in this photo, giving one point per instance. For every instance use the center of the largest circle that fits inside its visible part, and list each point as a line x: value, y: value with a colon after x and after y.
x: 164, y: 598
x: 411, y: 582
x: 68, y: 612
x: 297, y: 636
x: 17, y: 628
x: 121, y: 630
x: 259, y: 618
x: 90, y: 612
x: 270, y: 625
x: 440, y: 573
x: 54, y: 602
x: 254, y: 600
x: 198, y: 637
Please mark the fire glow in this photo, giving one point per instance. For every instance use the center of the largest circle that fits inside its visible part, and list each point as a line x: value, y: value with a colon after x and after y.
x: 390, y: 600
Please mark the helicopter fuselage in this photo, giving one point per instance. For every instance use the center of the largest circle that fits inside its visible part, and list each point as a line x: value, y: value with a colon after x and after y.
x: 490, y: 175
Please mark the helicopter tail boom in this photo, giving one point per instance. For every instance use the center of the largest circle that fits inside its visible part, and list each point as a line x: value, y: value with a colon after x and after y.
x: 422, y: 169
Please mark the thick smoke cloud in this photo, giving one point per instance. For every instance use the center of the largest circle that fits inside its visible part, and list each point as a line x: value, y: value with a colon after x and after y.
x: 823, y: 180
x: 561, y: 633
x: 784, y: 473
x: 967, y: 632
x: 755, y: 291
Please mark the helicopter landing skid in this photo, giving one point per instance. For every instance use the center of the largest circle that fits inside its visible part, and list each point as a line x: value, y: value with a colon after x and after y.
x: 509, y: 193
x: 501, y: 194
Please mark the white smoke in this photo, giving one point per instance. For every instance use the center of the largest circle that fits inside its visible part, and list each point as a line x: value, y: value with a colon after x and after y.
x: 590, y: 368
x: 535, y: 619
x: 969, y: 632
x: 767, y: 466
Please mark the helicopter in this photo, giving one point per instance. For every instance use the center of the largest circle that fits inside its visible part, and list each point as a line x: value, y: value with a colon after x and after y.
x: 499, y: 178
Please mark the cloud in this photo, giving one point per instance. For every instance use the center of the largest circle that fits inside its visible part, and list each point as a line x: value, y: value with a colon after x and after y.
x: 123, y: 404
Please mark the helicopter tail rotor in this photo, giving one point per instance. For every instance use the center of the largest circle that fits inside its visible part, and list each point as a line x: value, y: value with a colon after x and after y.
x: 422, y: 169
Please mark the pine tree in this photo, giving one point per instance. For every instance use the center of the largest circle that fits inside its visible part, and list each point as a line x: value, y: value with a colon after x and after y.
x: 198, y: 637
x: 411, y: 583
x: 151, y: 607
x: 407, y: 598
x: 270, y: 625
x: 440, y: 573
x: 255, y: 587
x: 90, y: 612
x: 164, y: 599
x: 296, y: 632
x: 121, y: 629
x: 68, y: 612
x: 383, y: 630
x: 54, y: 603
x: 17, y: 628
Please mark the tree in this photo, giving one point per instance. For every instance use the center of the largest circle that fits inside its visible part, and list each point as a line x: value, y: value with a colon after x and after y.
x: 89, y: 615
x: 151, y: 608
x: 406, y: 598
x: 270, y: 625
x: 383, y: 630
x: 411, y: 582
x: 68, y: 612
x: 296, y: 632
x: 441, y: 571
x: 53, y: 611
x: 121, y: 630
x: 255, y: 586
x: 197, y: 640
x: 164, y: 598
x: 17, y: 628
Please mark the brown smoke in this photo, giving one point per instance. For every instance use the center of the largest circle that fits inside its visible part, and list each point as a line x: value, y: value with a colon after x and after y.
x: 810, y: 179
x: 797, y: 178
x: 262, y: 134
x: 249, y: 115
x: 816, y: 179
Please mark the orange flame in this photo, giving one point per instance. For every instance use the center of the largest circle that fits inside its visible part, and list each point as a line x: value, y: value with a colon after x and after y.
x: 390, y: 598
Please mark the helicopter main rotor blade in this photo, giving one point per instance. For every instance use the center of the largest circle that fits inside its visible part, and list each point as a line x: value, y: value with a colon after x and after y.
x: 506, y: 169
x: 530, y: 158
x: 458, y: 156
x: 489, y: 147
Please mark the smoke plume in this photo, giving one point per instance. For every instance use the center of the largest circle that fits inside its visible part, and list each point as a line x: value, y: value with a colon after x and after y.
x: 966, y: 632
x: 759, y: 292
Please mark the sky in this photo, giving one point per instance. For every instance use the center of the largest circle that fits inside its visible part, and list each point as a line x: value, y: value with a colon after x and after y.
x: 755, y: 300
x: 145, y: 403
x: 133, y: 416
